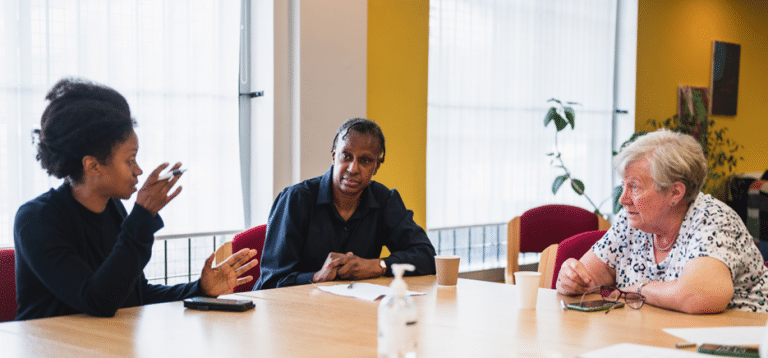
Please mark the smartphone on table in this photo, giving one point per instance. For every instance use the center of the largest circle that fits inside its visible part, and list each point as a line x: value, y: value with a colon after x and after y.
x: 218, y: 304
x: 595, y: 305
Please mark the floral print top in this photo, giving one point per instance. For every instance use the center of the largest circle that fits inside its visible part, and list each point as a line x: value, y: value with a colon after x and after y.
x: 710, y: 228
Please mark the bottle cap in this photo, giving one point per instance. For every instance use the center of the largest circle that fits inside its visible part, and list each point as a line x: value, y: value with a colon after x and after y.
x: 399, y: 286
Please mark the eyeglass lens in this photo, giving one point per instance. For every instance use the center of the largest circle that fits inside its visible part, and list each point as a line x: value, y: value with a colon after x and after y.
x: 633, y: 300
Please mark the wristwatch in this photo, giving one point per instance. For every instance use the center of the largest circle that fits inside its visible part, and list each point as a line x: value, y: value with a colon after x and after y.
x: 383, y: 266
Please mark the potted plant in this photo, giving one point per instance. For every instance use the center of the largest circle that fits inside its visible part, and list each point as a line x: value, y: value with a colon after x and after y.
x: 563, y: 115
x: 721, y: 151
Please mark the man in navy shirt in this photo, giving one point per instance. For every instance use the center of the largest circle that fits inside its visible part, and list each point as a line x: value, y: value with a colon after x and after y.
x: 335, y: 225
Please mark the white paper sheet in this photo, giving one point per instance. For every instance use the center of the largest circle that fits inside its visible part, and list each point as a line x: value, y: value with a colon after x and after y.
x: 730, y: 336
x: 366, y: 291
x: 629, y: 350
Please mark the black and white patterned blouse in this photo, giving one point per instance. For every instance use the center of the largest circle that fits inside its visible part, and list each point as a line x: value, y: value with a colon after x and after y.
x: 710, y: 228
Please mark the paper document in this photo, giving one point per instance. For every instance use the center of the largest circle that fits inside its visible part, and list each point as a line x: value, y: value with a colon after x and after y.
x: 629, y: 350
x: 366, y: 291
x: 729, y: 336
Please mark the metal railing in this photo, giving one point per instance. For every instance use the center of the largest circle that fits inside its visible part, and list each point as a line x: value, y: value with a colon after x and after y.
x: 480, y: 247
x: 179, y: 258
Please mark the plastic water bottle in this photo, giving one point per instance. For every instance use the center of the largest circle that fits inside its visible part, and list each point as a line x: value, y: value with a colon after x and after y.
x: 397, y: 320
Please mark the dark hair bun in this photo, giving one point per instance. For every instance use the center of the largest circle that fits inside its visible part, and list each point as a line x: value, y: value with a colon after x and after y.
x: 83, y: 118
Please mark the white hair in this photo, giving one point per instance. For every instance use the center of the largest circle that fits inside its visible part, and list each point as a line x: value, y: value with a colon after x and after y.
x: 673, y: 157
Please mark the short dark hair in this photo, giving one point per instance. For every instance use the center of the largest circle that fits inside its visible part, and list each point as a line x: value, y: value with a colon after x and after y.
x: 362, y: 126
x: 83, y: 118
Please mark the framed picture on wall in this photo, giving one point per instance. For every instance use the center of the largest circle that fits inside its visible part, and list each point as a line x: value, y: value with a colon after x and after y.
x: 692, y: 104
x: 725, y: 78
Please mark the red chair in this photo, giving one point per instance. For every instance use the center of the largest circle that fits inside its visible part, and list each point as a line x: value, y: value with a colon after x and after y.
x: 252, y: 238
x: 545, y: 225
x: 7, y: 285
x: 575, y: 246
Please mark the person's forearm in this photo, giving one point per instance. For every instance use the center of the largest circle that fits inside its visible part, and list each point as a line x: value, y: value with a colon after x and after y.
x: 161, y: 293
x: 110, y: 284
x: 679, y: 296
x: 422, y: 257
x: 280, y: 278
x: 704, y: 286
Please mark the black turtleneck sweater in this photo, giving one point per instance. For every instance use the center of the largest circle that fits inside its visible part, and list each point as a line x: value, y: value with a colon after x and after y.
x: 72, y: 260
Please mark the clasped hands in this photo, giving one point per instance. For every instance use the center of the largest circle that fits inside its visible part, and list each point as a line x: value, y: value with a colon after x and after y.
x: 348, y: 267
x: 222, y: 278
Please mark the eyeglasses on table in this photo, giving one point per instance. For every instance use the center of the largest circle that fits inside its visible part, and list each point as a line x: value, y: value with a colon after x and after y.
x: 614, y: 294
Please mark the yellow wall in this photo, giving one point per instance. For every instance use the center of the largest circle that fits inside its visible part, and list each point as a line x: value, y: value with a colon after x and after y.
x: 398, y: 43
x: 674, y: 47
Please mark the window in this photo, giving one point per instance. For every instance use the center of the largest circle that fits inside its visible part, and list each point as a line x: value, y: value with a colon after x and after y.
x: 493, y: 64
x: 175, y: 61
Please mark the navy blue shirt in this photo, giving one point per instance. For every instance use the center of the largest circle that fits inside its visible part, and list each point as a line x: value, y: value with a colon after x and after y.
x: 304, y: 227
x: 72, y: 260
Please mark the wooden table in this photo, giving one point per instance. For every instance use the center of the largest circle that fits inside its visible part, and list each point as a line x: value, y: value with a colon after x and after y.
x: 472, y: 319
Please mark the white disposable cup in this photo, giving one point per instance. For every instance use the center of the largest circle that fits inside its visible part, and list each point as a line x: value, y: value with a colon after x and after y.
x: 447, y: 267
x: 527, y: 283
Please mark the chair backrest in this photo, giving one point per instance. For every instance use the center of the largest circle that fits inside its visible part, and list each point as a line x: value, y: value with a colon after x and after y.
x: 575, y: 246
x: 545, y: 225
x: 547, y: 265
x: 223, y: 252
x: 7, y: 285
x: 252, y: 238
x: 551, y: 224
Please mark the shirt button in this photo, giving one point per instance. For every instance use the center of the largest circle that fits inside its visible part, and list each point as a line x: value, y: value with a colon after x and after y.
x: 346, y: 228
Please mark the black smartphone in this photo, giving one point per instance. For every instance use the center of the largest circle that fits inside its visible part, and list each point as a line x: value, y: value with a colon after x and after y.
x: 732, y: 351
x: 596, y: 305
x: 218, y: 304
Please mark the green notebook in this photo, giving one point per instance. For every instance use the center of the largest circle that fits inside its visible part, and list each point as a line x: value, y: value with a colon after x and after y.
x: 731, y: 351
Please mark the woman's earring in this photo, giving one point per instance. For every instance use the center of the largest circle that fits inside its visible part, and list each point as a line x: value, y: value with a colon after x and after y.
x: 674, y: 203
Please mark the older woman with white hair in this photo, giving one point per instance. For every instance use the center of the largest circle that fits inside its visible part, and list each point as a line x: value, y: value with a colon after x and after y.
x: 672, y: 246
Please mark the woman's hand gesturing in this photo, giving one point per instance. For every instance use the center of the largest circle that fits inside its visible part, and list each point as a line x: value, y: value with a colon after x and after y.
x: 153, y: 195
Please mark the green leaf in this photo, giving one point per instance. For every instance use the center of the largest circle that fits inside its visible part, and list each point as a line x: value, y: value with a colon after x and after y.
x: 631, y: 139
x: 617, y: 191
x: 558, y: 182
x: 577, y: 186
x: 550, y: 154
x: 570, y: 114
x: 560, y: 123
x: 551, y: 115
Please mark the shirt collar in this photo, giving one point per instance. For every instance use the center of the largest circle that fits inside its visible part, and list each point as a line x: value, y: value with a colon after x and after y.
x: 325, y: 194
